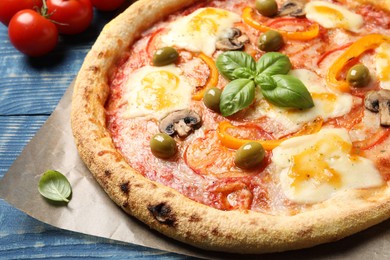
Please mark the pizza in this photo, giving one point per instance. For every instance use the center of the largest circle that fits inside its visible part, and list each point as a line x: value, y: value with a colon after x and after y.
x: 241, y: 126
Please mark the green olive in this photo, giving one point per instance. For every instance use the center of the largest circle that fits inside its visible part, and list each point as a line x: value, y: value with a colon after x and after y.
x: 211, y: 98
x: 271, y: 41
x: 358, y: 76
x: 163, y: 146
x: 249, y: 155
x: 165, y: 56
x: 267, y: 8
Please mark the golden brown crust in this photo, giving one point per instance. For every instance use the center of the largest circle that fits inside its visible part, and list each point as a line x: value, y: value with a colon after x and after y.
x: 168, y: 211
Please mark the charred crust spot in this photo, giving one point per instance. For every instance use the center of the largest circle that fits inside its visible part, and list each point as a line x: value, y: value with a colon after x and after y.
x: 163, y: 214
x: 94, y: 69
x: 215, y: 232
x: 125, y: 205
x: 194, y: 218
x: 107, y: 173
x: 125, y: 187
x: 101, y: 55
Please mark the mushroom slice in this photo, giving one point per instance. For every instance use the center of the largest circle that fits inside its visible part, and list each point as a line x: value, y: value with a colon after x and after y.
x: 235, y: 40
x: 379, y: 101
x: 295, y: 8
x: 182, y: 122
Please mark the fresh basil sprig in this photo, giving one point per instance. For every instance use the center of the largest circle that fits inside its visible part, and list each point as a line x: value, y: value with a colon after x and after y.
x: 268, y: 73
x: 53, y: 185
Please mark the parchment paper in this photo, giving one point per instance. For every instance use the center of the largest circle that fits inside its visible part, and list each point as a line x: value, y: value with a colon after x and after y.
x: 90, y: 210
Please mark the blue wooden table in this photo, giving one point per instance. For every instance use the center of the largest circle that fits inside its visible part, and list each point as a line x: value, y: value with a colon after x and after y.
x: 30, y: 89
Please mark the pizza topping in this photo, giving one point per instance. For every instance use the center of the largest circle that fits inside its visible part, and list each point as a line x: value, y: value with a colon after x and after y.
x: 199, y: 31
x: 358, y: 76
x: 295, y: 8
x: 271, y: 41
x: 267, y: 73
x: 212, y: 79
x: 234, y: 40
x: 379, y: 101
x: 360, y: 46
x: 165, y: 56
x: 249, y: 155
x: 267, y: 8
x: 181, y: 122
x: 314, y: 167
x: 212, y: 98
x: 311, y: 31
x: 233, y: 142
x: 156, y: 91
x: 163, y: 146
x: 330, y: 15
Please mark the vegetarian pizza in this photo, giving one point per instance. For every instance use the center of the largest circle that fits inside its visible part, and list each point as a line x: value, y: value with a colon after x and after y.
x: 241, y: 126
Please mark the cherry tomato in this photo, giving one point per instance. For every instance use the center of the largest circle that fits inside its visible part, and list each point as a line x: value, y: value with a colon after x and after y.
x: 71, y: 16
x: 9, y: 8
x: 107, y: 5
x: 31, y: 33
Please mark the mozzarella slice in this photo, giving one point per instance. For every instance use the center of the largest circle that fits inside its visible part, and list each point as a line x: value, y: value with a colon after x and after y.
x: 199, y: 31
x: 315, y: 167
x: 330, y: 15
x: 382, y: 64
x: 156, y: 91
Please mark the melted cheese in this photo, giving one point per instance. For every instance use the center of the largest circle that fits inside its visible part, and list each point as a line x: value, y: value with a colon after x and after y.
x: 315, y: 167
x: 156, y: 91
x: 199, y: 31
x: 382, y: 64
x: 330, y: 15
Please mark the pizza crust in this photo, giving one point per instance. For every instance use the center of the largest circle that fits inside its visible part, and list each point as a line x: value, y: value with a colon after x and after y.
x: 168, y: 211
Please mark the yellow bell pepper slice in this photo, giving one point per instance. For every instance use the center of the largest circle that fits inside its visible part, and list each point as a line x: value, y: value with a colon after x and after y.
x: 212, y: 80
x: 360, y: 46
x: 312, y: 31
x: 235, y: 143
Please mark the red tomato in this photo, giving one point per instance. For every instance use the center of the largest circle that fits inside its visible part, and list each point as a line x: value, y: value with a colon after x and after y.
x: 9, y: 8
x: 72, y: 16
x: 31, y: 33
x: 107, y: 5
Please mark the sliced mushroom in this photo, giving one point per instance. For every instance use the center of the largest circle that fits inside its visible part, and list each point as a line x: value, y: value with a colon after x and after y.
x: 295, y: 8
x: 235, y: 40
x: 182, y: 122
x: 379, y: 101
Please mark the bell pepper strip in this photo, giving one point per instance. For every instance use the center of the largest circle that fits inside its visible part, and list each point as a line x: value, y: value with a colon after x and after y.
x: 312, y: 31
x: 235, y: 143
x: 212, y: 80
x: 360, y: 46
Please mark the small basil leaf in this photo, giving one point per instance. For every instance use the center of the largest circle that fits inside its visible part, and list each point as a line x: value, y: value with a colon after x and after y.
x: 228, y: 61
x: 265, y: 82
x: 273, y: 63
x: 289, y: 92
x: 237, y: 95
x: 243, y: 73
x: 53, y: 185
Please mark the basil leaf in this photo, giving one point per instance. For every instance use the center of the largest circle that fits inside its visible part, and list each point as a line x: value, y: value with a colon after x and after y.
x: 265, y: 82
x: 53, y: 185
x: 228, y: 61
x: 273, y: 63
x: 243, y: 73
x: 289, y: 92
x: 237, y: 95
